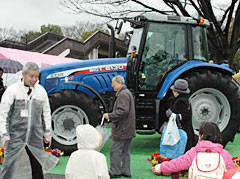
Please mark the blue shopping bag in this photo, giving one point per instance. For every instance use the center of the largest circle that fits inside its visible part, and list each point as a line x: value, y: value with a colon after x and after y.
x: 174, y: 151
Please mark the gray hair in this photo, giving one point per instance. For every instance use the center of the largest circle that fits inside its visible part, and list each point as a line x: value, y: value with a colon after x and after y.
x: 119, y: 79
x: 30, y: 66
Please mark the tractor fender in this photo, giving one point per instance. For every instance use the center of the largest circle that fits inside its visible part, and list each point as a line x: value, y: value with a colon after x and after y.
x: 92, y: 90
x: 172, y: 76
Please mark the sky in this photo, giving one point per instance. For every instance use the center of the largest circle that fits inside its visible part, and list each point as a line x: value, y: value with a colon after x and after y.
x: 32, y: 14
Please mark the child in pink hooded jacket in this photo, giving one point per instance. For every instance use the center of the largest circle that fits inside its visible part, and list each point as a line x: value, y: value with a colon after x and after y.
x: 209, y: 138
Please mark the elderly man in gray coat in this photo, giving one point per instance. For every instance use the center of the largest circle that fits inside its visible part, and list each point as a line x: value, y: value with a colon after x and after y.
x: 123, y: 129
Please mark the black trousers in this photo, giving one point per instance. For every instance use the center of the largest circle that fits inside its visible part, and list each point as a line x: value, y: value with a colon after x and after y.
x: 37, y: 172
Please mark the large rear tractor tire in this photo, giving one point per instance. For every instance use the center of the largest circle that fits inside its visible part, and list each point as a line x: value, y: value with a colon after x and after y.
x: 71, y: 108
x: 214, y: 97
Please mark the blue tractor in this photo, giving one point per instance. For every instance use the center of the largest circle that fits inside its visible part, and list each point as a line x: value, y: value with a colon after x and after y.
x: 161, y: 50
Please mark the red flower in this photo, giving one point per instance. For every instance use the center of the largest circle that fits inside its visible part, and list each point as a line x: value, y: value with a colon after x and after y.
x: 56, y: 152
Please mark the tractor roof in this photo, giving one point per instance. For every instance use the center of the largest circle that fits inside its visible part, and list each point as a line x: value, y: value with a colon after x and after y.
x: 171, y: 19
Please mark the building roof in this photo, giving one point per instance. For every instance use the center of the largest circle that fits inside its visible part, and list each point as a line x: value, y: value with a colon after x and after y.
x: 53, y: 44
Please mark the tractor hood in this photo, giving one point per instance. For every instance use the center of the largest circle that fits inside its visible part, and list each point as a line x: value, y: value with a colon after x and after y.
x: 83, y: 66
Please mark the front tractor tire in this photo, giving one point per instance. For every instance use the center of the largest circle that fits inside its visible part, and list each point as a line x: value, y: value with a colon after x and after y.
x: 71, y: 108
x: 214, y: 97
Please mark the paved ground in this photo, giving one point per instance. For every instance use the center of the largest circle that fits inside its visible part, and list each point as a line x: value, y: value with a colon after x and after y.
x: 53, y: 176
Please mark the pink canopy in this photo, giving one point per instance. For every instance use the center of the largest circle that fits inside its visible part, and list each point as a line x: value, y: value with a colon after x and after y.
x: 2, y: 56
x: 25, y: 56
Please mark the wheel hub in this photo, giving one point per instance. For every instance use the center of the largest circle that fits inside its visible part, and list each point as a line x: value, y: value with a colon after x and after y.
x: 205, y: 112
x: 68, y: 124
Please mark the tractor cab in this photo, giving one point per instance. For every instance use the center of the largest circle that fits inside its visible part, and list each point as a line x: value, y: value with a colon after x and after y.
x: 158, y: 45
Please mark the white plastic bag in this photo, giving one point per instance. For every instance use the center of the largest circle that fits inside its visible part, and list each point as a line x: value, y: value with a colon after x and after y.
x: 105, y: 133
x: 171, y: 136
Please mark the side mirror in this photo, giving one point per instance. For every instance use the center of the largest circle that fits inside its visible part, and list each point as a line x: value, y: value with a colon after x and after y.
x: 119, y: 27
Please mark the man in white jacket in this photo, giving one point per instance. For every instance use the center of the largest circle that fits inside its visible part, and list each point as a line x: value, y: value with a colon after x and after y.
x: 86, y: 162
x: 25, y: 121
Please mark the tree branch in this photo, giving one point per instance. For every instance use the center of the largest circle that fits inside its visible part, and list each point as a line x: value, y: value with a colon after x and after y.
x: 229, y: 19
x: 196, y: 8
x: 206, y: 7
x: 234, y: 43
x: 238, y: 44
x: 181, y: 8
x: 148, y: 7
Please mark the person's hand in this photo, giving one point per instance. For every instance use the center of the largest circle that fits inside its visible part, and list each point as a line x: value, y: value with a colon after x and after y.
x: 105, y: 115
x: 47, y: 142
x: 168, y: 112
x: 47, y: 139
x: 157, y: 169
x: 4, y: 140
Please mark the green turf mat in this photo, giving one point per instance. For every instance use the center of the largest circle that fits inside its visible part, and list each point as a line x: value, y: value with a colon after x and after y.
x: 141, y: 148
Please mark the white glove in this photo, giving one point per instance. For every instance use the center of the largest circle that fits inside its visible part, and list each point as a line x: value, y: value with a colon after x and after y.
x: 158, y: 168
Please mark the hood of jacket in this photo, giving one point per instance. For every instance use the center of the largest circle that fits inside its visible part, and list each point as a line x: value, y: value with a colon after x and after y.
x: 204, y: 145
x: 88, y: 137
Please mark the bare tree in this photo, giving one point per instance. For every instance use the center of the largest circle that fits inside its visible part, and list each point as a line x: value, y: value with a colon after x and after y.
x: 75, y: 31
x: 105, y: 9
x: 223, y: 43
x: 8, y: 33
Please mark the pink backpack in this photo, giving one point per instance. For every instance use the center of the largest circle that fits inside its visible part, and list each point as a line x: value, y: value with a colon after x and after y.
x: 233, y: 173
x: 207, y: 165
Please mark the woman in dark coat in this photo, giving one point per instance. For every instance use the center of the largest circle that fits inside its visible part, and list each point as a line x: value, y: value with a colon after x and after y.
x: 180, y: 105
